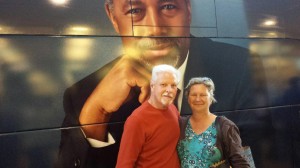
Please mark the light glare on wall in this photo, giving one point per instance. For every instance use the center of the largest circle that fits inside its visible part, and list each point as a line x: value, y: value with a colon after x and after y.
x: 78, y: 49
x: 79, y: 30
x: 41, y: 83
x: 269, y: 23
x: 59, y: 2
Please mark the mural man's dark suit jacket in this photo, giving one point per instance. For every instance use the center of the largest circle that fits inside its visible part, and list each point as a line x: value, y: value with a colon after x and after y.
x: 229, y: 66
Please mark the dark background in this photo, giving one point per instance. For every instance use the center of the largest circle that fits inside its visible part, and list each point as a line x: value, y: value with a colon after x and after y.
x: 45, y: 48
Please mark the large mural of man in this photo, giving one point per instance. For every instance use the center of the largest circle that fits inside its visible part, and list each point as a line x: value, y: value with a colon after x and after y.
x: 153, y: 32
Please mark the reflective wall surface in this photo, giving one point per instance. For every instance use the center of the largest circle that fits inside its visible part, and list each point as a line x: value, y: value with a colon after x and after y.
x: 232, y: 18
x: 47, y: 46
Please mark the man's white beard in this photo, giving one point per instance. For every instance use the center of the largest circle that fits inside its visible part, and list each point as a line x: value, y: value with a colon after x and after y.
x: 167, y: 102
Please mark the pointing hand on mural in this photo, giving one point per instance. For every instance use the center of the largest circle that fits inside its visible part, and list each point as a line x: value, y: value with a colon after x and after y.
x: 111, y: 93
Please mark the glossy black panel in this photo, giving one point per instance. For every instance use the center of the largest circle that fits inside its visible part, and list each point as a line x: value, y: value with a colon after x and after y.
x: 54, y: 17
x: 276, y: 67
x: 47, y: 48
x: 273, y: 19
x: 285, y: 121
x: 267, y: 19
x: 36, y: 70
x: 296, y: 135
x: 281, y: 63
x: 30, y: 149
x: 255, y: 130
x: 272, y: 134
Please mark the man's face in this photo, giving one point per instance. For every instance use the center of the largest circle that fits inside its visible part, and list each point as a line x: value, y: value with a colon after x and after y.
x: 199, y: 98
x: 147, y: 23
x: 163, y: 90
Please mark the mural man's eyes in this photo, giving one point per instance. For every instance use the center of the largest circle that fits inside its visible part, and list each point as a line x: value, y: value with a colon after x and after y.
x: 168, y: 7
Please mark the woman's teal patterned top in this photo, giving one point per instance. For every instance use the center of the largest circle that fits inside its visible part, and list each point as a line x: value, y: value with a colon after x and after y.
x: 199, y: 151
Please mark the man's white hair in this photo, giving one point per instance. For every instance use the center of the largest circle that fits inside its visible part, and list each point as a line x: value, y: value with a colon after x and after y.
x: 165, y: 68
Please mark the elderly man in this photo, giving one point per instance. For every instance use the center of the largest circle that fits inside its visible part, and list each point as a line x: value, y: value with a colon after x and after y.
x: 153, y: 32
x: 151, y: 132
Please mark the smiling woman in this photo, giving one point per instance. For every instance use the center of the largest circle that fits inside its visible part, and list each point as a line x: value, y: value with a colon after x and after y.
x: 199, y: 143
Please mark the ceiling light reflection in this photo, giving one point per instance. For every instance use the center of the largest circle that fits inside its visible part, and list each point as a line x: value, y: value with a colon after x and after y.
x: 269, y: 23
x: 78, y: 49
x: 79, y: 30
x: 59, y: 2
x: 15, y: 59
x: 263, y: 48
x: 272, y: 35
x: 4, y: 43
x: 5, y: 29
x: 264, y: 33
x: 41, y: 83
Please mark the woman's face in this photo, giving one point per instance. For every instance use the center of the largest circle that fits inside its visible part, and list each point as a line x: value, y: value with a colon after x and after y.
x: 199, y: 98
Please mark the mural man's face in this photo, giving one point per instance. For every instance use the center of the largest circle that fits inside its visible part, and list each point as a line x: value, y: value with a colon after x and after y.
x: 145, y: 24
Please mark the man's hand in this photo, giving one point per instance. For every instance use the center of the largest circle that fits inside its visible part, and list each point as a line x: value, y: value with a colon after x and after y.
x: 111, y: 93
